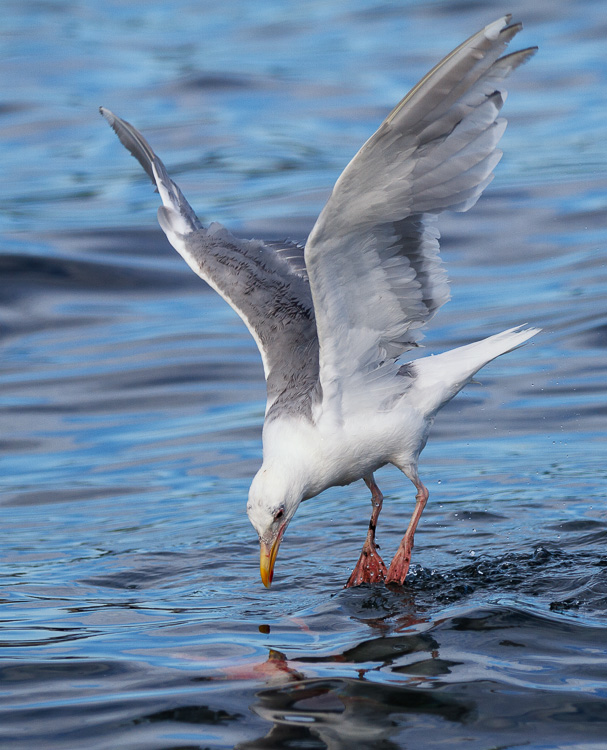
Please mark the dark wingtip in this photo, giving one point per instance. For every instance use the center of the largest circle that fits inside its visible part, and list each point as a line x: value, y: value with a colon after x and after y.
x: 132, y: 140
x: 108, y: 114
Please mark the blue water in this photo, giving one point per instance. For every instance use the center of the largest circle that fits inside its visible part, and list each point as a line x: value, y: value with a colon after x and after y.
x: 132, y: 396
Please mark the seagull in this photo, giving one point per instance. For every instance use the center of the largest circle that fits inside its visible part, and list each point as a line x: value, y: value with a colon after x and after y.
x: 332, y: 319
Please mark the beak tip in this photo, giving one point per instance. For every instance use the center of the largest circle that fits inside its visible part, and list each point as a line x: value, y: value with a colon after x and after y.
x: 267, y: 574
x: 266, y: 562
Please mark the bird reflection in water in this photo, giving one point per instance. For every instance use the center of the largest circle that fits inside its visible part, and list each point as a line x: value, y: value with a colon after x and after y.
x: 348, y: 712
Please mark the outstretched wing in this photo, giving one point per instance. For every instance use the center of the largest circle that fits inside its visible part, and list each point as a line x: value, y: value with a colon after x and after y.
x: 265, y: 283
x: 373, y: 255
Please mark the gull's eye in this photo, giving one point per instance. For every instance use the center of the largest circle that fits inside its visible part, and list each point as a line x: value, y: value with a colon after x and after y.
x: 279, y: 514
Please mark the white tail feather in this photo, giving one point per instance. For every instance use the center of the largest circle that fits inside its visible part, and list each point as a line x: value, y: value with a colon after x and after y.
x: 442, y: 376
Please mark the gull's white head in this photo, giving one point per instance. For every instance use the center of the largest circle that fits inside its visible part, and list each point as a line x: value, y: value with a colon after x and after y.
x: 273, y: 499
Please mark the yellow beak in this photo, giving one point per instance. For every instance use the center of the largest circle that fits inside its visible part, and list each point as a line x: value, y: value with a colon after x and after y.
x: 267, y: 558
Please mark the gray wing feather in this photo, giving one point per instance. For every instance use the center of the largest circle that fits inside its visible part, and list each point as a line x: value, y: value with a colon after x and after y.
x: 137, y: 145
x: 293, y: 253
x: 373, y: 255
x: 265, y: 283
x: 273, y: 300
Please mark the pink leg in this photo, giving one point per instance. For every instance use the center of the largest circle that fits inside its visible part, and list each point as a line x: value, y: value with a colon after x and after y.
x: 370, y: 567
x: 399, y: 566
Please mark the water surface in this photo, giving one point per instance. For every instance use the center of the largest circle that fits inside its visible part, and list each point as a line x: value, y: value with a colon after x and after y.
x: 132, y: 396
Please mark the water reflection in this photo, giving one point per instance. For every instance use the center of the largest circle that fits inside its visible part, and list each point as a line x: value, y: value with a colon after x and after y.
x: 355, y: 712
x: 468, y: 672
x: 366, y: 709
